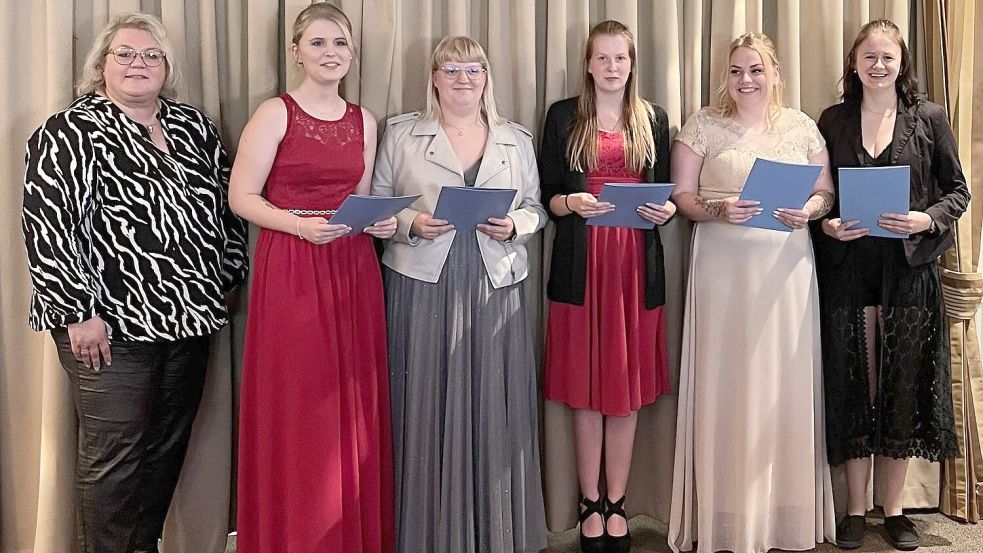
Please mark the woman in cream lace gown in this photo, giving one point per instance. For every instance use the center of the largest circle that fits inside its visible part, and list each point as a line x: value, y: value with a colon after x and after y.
x: 750, y: 464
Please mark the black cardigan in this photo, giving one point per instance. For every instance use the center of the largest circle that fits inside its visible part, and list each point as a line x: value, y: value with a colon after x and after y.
x: 922, y: 140
x: 568, y: 266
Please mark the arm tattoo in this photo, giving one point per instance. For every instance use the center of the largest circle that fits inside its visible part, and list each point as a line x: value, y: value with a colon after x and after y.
x: 269, y: 205
x: 713, y: 208
x: 820, y: 203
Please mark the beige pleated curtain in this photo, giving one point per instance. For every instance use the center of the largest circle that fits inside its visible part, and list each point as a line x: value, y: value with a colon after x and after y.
x: 233, y: 54
x: 954, y: 48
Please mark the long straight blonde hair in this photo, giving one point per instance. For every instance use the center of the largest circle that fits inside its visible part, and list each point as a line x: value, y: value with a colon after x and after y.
x: 636, y: 113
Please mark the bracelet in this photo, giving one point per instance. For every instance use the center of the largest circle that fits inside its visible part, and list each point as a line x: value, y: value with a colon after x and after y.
x: 299, y: 235
x: 566, y: 203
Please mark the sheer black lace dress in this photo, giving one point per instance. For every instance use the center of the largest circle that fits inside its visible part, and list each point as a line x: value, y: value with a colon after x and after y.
x: 911, y: 413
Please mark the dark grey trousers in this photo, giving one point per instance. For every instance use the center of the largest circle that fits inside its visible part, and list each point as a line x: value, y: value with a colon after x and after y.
x: 135, y: 419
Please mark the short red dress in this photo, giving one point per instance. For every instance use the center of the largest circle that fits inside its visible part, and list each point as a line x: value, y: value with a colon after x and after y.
x: 609, y: 354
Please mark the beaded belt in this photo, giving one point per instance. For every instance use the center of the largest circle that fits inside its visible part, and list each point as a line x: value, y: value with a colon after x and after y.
x: 312, y: 211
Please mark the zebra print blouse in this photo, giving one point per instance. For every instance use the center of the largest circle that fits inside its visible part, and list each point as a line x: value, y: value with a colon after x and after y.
x: 118, y: 228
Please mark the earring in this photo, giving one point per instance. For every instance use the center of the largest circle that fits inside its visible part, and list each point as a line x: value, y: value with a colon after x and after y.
x: 299, y: 62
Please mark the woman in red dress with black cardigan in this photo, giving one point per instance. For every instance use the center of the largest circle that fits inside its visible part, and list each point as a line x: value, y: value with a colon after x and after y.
x: 605, y: 350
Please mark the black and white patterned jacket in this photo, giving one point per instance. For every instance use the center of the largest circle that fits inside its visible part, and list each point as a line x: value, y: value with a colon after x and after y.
x: 117, y: 228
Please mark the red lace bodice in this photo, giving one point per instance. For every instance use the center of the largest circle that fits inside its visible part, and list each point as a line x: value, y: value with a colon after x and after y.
x: 610, y: 164
x: 319, y: 163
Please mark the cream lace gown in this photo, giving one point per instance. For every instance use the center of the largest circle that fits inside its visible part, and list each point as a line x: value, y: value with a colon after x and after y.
x: 750, y: 469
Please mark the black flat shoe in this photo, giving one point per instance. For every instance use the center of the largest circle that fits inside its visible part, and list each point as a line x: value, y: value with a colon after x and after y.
x: 617, y: 544
x: 592, y: 544
x: 850, y: 532
x: 901, y: 533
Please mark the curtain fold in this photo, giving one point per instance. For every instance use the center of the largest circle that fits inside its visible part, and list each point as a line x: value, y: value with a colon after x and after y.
x: 955, y: 69
x: 234, y: 54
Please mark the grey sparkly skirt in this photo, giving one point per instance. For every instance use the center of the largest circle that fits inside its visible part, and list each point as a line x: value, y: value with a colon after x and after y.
x: 463, y: 379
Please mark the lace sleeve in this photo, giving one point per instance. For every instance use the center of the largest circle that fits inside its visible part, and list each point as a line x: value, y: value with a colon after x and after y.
x: 812, y: 138
x: 692, y: 135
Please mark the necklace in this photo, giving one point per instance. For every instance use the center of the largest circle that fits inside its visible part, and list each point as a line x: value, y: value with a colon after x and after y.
x: 460, y: 130
x: 889, y: 113
x: 151, y: 126
x: 616, y: 127
x: 318, y: 111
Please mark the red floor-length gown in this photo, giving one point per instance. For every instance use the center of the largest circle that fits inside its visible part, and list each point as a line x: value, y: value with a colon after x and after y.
x: 315, y: 457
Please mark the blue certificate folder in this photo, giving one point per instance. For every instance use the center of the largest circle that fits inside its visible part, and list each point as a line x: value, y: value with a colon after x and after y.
x: 778, y: 185
x: 359, y: 212
x: 465, y: 207
x: 868, y: 192
x: 626, y: 198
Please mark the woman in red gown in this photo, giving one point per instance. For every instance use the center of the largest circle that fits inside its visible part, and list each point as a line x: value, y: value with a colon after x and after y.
x: 605, y: 349
x: 315, y: 460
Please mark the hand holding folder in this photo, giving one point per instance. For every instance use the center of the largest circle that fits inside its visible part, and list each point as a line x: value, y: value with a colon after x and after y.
x: 626, y: 199
x: 867, y: 193
x: 777, y: 185
x: 359, y: 212
x: 467, y: 207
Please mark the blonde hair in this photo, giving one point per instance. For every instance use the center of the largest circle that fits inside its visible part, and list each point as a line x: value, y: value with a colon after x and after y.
x: 636, y: 113
x: 463, y: 49
x: 776, y: 86
x: 328, y: 12
x: 95, y: 61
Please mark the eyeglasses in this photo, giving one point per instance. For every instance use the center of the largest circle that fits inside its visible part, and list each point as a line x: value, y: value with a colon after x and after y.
x: 472, y: 71
x: 124, y: 55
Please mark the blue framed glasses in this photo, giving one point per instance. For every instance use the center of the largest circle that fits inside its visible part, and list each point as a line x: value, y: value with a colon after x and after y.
x: 473, y: 72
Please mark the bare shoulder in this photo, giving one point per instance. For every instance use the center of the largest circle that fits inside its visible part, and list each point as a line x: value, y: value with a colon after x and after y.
x: 369, y: 122
x: 269, y: 119
x: 271, y: 109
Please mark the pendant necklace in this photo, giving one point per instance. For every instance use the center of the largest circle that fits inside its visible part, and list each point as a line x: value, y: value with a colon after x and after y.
x: 150, y: 126
x: 460, y: 130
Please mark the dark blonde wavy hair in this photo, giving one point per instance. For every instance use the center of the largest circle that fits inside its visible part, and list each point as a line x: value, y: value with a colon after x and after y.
x: 765, y: 48
x: 636, y: 113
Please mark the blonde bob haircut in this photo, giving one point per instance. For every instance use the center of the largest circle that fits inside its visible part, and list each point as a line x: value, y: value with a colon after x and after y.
x: 95, y: 61
x: 328, y: 12
x: 773, y: 77
x: 636, y: 113
x: 465, y: 50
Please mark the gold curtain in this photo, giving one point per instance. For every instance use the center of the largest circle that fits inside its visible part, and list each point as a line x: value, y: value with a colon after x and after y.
x: 955, y: 71
x: 233, y: 55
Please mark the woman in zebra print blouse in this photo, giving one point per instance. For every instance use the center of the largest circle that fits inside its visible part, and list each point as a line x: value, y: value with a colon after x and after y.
x: 132, y: 248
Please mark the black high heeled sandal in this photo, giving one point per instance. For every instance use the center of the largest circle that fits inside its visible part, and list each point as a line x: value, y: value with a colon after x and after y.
x: 595, y: 544
x: 619, y: 544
